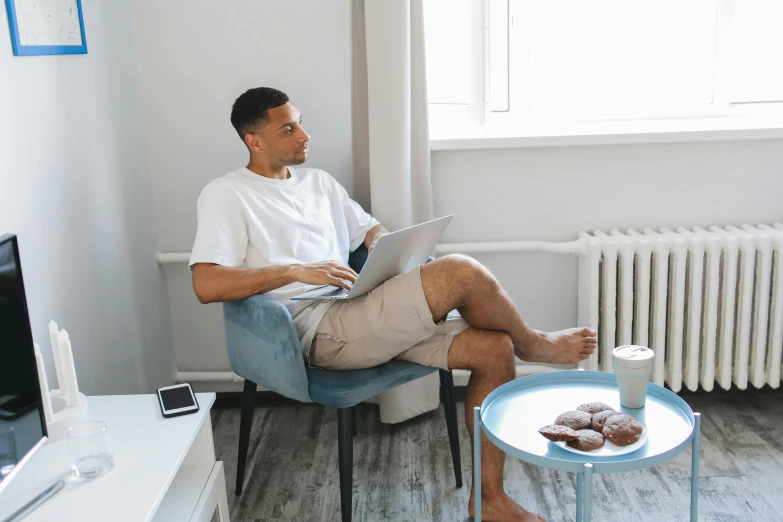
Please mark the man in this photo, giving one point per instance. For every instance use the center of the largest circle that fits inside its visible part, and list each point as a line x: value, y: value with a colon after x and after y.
x: 271, y: 228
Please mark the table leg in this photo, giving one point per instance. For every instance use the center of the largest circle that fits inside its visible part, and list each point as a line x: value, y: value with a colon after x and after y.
x: 580, y: 486
x: 222, y: 502
x: 695, y: 450
x: 587, y: 506
x: 477, y: 463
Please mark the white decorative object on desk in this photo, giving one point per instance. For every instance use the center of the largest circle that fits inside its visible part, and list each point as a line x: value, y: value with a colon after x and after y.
x: 63, y: 419
x: 71, y: 388
x: 54, y: 338
x: 42, y: 380
x: 66, y: 404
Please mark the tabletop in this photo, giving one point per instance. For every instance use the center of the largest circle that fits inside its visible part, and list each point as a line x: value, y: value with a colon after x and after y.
x: 512, y: 414
x: 148, y: 451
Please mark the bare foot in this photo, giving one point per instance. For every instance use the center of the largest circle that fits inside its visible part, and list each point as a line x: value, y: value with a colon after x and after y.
x: 563, y: 347
x: 501, y: 508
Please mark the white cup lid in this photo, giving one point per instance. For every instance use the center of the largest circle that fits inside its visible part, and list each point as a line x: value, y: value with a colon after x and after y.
x: 632, y: 356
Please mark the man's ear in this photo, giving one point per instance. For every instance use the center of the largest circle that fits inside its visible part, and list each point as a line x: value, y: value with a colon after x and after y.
x: 254, y: 142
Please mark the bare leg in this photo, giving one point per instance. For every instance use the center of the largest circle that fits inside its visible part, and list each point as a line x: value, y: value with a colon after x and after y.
x: 459, y: 282
x: 489, y: 355
x: 487, y: 349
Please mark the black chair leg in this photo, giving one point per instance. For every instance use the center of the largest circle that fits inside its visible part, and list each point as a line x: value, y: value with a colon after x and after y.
x: 450, y: 406
x: 245, y: 423
x: 353, y: 419
x: 345, y: 453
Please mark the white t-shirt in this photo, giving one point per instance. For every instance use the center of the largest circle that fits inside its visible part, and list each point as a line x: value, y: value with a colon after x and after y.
x: 249, y: 221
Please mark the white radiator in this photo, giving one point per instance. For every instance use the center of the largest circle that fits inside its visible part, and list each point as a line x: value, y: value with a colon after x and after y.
x: 709, y: 302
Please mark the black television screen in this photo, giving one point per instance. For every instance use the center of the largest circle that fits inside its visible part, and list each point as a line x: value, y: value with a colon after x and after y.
x: 22, y: 424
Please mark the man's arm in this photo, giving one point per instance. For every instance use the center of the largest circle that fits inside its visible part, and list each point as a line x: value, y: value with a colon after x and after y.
x: 373, y: 235
x: 215, y: 283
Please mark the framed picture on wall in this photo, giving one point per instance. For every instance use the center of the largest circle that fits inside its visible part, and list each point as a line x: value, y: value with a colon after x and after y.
x: 41, y: 27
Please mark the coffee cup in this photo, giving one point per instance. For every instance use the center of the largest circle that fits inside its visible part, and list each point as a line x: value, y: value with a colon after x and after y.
x: 633, y: 366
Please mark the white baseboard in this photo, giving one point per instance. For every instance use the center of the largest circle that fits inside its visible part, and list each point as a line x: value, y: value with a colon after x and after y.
x: 221, y: 382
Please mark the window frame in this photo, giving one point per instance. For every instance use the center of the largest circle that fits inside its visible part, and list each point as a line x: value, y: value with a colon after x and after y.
x: 454, y: 126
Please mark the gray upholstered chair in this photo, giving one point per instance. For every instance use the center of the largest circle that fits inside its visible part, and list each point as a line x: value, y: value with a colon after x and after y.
x: 264, y: 349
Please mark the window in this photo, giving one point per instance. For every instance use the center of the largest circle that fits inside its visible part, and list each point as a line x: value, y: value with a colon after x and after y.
x: 525, y: 61
x: 755, y: 51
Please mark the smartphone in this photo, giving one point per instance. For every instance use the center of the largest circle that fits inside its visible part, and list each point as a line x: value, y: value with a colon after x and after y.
x: 176, y: 400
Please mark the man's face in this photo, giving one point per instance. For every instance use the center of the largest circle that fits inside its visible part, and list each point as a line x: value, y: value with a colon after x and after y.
x: 283, y: 140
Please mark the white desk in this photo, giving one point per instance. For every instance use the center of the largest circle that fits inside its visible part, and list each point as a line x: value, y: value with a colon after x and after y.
x: 164, y: 469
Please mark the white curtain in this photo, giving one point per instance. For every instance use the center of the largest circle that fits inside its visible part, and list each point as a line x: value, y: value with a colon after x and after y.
x: 391, y: 143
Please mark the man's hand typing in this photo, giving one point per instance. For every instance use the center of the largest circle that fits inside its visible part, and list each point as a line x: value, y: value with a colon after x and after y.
x: 324, y: 273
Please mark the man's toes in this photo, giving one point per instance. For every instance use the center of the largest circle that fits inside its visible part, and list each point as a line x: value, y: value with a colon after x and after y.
x: 588, y: 332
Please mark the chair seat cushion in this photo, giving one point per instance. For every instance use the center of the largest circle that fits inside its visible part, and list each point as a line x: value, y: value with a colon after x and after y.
x: 346, y: 388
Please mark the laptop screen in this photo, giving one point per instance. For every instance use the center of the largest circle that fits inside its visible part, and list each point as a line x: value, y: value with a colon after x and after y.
x: 22, y: 424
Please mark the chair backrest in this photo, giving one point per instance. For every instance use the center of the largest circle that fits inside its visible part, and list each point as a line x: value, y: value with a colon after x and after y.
x: 263, y: 345
x: 357, y: 258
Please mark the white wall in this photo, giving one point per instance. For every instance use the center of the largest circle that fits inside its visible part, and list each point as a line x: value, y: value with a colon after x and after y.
x: 553, y: 193
x: 75, y: 187
x: 196, y: 58
x: 303, y: 47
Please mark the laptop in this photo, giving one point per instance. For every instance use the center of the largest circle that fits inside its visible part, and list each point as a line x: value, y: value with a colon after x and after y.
x: 394, y: 254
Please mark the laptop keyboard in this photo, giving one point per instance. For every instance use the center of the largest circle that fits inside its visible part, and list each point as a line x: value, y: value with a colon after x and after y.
x: 337, y: 292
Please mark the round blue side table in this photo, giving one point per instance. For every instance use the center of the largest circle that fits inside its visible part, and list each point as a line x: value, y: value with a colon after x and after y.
x: 511, y: 415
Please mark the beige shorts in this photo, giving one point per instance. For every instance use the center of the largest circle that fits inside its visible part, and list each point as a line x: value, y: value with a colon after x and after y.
x: 391, y: 322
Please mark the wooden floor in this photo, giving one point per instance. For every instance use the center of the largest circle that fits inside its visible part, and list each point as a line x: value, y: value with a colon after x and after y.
x: 404, y: 473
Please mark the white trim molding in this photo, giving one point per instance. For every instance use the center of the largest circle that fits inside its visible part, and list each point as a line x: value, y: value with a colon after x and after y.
x: 173, y: 258
x: 461, y: 377
x: 570, y: 247
x: 455, y: 128
x: 576, y: 139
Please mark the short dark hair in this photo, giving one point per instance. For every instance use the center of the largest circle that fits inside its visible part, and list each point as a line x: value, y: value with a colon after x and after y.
x: 250, y: 109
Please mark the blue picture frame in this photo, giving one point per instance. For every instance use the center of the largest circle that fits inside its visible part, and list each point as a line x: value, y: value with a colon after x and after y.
x: 39, y: 50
